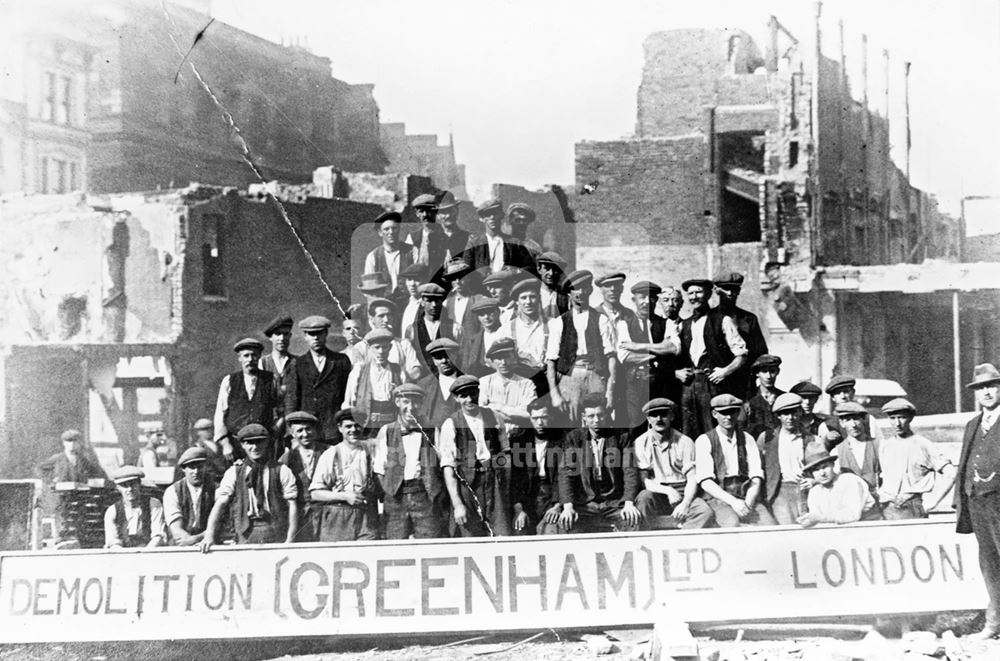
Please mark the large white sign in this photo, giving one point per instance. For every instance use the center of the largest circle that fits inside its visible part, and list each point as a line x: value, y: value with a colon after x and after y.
x: 492, y: 584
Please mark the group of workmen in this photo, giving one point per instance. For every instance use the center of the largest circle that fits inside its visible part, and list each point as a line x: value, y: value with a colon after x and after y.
x: 479, y: 393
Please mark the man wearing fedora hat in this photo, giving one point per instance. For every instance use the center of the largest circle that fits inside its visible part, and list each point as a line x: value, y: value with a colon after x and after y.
x: 371, y: 382
x: 375, y: 284
x: 408, y: 469
x: 492, y: 249
x: 835, y: 497
x: 320, y: 378
x: 782, y: 448
x: 188, y: 501
x: 392, y: 255
x: 279, y: 362
x: 712, y: 352
x: 910, y: 464
x: 454, y: 237
x: 977, y: 489
x: 251, y: 395
x: 302, y: 459
x: 135, y: 519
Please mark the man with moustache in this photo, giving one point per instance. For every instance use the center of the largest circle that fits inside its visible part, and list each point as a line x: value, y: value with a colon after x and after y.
x: 250, y: 396
x: 428, y: 241
x: 643, y: 347
x: 320, y: 378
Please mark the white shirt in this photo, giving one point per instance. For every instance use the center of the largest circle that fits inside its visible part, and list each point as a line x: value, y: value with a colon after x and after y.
x: 705, y: 466
x: 171, y: 505
x: 489, y: 337
x: 549, y: 301
x: 597, y: 450
x: 736, y: 343
x: 844, y: 502
x: 134, y: 518
x: 580, y: 320
x: 411, y: 450
x: 401, y: 353
x: 409, y: 313
x: 459, y: 306
x: 392, y: 258
x: 789, y: 455
x: 531, y: 340
x: 227, y: 487
x: 908, y: 465
x: 444, y: 383
x: 495, y: 246
x: 342, y: 469
x: 379, y: 380
x: 540, y: 446
x: 319, y: 360
x: 279, y: 361
x: 446, y: 442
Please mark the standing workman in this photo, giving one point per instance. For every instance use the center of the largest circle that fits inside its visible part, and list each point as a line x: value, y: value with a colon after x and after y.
x: 728, y: 290
x: 250, y: 396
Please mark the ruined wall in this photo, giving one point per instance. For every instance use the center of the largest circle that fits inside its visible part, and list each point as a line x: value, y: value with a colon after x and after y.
x: 421, y: 154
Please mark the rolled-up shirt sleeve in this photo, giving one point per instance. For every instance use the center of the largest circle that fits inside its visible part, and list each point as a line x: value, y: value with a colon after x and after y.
x: 704, y: 465
x: 289, y: 487
x: 221, y: 406
x: 171, y: 507
x: 555, y: 336
x: 607, y: 336
x: 754, y: 467
x: 737, y: 345
x: 446, y: 443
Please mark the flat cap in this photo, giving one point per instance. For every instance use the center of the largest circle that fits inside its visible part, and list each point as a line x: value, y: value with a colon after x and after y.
x: 314, y: 323
x: 373, y: 281
x: 704, y: 283
x: 424, y: 200
x: 521, y: 208
x: 456, y: 268
x: 838, y: 382
x: 463, y: 382
x: 127, y: 474
x: 730, y: 280
x: 252, y: 433
x: 489, y: 207
x: 249, y: 343
x: 408, y: 390
x: 806, y: 389
x: 283, y: 322
x: 766, y: 361
x: 580, y: 278
x: 899, y: 405
x: 415, y: 271
x: 610, y: 279
x: 441, y: 344
x: 192, y: 456
x: 725, y: 401
x: 203, y: 423
x: 983, y: 374
x: 378, y: 335
x: 389, y: 215
x: 551, y: 257
x: 380, y: 303
x: 500, y: 346
x: 71, y: 435
x: 788, y: 401
x: 345, y: 414
x: 499, y: 279
x: 849, y: 409
x: 646, y: 286
x: 658, y: 404
x: 447, y: 201
x: 301, y: 417
x: 527, y: 284
x: 432, y: 290
x: 484, y: 304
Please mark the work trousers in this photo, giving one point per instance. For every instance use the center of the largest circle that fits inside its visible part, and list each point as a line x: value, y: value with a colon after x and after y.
x: 600, y: 516
x: 726, y: 517
x: 488, y: 492
x: 657, y: 512
x: 985, y: 514
x: 580, y: 382
x: 536, y: 510
x: 412, y: 512
x: 913, y: 508
x: 637, y: 393
x: 341, y: 522
x: 789, y: 504
x: 696, y: 409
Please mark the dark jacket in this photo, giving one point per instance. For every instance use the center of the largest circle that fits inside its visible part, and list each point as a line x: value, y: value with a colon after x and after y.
x: 577, y: 478
x: 767, y: 443
x: 61, y: 470
x: 759, y: 414
x: 717, y: 353
x: 749, y: 328
x: 526, y: 484
x: 477, y: 253
x: 472, y: 354
x: 436, y: 408
x: 284, y: 378
x: 963, y: 519
x: 320, y: 394
x: 303, y: 474
x: 437, y: 244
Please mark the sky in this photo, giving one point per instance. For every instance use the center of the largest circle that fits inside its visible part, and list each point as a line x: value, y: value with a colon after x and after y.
x: 518, y: 82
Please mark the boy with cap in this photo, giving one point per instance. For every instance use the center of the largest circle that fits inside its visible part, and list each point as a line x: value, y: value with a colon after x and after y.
x: 841, y: 390
x: 320, y: 378
x: 666, y: 461
x: 977, y: 491
x: 472, y: 348
x: 302, y: 459
x: 782, y: 448
x: 188, y: 501
x: 552, y: 295
x: 810, y: 394
x: 643, y: 349
x: 343, y: 489
x: 759, y: 407
x: 728, y: 289
x: 492, y: 249
x: 409, y: 472
x: 371, y: 382
x: 474, y: 449
x: 581, y: 357
x: 712, y: 351
x: 250, y: 396
x: 428, y: 241
x: 504, y: 392
x: 279, y: 362
x: 134, y: 520
x: 536, y: 454
x: 834, y: 497
x: 728, y: 468
x: 260, y: 494
x: 519, y: 216
x: 910, y: 464
x: 598, y: 481
x: 392, y: 256
x: 439, y: 404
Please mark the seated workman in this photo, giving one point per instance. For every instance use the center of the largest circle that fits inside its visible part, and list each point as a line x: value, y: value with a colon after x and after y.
x: 134, y: 520
x: 835, y: 497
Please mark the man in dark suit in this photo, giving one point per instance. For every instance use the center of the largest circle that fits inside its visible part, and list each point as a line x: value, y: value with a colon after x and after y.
x: 977, y: 491
x: 492, y: 248
x: 73, y: 464
x: 728, y: 289
x: 279, y: 362
x: 598, y: 480
x: 320, y: 378
x: 534, y: 485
